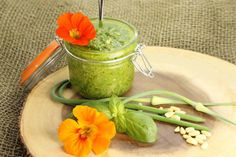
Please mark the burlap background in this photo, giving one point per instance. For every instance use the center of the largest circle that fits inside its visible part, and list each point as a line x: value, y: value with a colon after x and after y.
x: 27, y: 26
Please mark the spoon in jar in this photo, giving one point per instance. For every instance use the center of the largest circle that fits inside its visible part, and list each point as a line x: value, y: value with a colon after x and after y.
x: 100, y: 6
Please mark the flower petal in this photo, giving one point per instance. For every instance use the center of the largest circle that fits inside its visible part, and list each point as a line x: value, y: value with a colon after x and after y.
x: 79, y: 22
x: 76, y: 19
x: 100, y: 144
x: 107, y: 129
x: 77, y: 147
x: 81, y: 41
x: 63, y: 33
x: 67, y: 129
x: 65, y: 21
x: 92, y: 132
x: 90, y: 32
x: 85, y: 114
x: 101, y: 118
x: 84, y: 25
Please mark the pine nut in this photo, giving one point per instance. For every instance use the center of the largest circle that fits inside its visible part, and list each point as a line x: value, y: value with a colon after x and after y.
x: 194, y: 133
x: 182, y: 131
x: 170, y: 109
x: 189, y: 129
x: 174, y: 108
x: 201, y: 137
x: 177, y: 129
x: 192, y: 141
x: 206, y: 133
x: 204, y: 145
x: 186, y: 136
x: 176, y: 117
x: 169, y: 114
x: 200, y: 141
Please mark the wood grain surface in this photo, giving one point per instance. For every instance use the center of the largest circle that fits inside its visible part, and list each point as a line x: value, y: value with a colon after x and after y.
x: 194, y: 75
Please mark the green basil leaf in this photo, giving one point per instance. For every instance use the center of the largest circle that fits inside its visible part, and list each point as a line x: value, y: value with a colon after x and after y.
x: 116, y: 106
x: 117, y: 109
x: 120, y: 123
x: 101, y: 107
x: 140, y: 127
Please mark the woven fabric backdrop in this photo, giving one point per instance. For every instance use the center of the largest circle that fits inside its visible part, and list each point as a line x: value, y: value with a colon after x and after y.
x: 27, y: 26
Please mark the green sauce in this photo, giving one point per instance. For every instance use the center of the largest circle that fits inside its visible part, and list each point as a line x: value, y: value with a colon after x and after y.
x: 107, y: 39
x: 114, y: 40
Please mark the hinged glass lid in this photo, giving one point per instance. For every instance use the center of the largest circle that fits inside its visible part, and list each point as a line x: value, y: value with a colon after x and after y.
x: 42, y: 65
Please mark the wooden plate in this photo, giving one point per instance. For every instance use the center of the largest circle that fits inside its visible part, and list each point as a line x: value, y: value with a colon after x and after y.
x: 194, y: 75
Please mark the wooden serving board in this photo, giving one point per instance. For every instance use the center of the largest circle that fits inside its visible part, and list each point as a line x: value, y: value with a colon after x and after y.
x: 194, y: 75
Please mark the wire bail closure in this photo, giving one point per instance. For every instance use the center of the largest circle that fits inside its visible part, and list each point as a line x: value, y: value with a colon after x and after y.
x: 147, y: 68
x: 59, y: 41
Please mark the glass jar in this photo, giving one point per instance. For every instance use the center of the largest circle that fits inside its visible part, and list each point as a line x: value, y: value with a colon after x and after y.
x: 102, y: 73
x: 93, y: 74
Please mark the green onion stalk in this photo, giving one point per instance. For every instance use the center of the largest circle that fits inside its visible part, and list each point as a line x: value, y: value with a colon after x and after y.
x: 198, y: 106
x: 158, y: 97
x: 177, y: 122
x: 158, y: 100
x: 163, y: 111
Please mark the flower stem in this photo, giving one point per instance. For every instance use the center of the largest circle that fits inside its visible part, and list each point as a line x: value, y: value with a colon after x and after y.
x: 57, y: 91
x: 196, y: 105
x: 157, y: 100
x: 160, y: 92
x: 177, y: 122
x: 57, y: 95
x: 220, y: 104
x: 142, y: 100
x: 201, y: 108
x: 163, y: 111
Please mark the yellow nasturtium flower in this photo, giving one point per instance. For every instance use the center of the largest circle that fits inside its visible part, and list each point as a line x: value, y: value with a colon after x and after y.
x: 92, y: 131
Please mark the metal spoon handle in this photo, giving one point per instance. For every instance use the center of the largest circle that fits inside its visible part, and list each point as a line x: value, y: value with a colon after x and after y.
x: 100, y: 5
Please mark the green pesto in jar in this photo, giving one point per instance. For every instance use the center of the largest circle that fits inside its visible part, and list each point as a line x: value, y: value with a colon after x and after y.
x: 115, y: 39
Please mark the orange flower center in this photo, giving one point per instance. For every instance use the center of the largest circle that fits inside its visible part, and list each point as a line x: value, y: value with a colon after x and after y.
x: 74, y: 33
x: 87, y: 131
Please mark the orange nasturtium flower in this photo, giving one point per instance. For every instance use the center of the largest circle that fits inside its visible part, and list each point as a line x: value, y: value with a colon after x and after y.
x: 75, y: 28
x: 92, y: 131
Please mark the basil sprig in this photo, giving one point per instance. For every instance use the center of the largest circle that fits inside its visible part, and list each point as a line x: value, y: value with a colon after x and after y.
x: 140, y: 127
x: 135, y: 124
